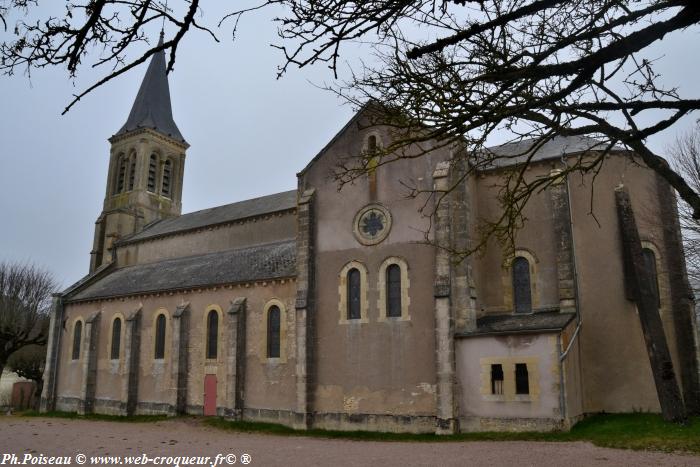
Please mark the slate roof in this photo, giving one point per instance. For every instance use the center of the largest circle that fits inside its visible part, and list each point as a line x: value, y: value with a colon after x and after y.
x: 152, y: 108
x: 218, y: 215
x: 260, y: 262
x: 517, y: 152
x: 516, y: 323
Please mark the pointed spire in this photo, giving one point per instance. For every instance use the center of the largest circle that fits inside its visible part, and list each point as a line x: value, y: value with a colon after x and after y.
x: 152, y: 107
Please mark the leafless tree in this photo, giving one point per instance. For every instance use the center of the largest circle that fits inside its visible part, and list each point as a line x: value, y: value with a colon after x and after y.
x: 463, y: 70
x: 452, y: 71
x: 113, y: 26
x: 685, y: 158
x: 25, y: 299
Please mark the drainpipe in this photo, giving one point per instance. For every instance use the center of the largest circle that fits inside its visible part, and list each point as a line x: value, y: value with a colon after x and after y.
x: 563, y: 355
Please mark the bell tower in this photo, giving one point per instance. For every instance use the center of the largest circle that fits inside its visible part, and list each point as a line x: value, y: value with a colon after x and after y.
x: 146, y: 166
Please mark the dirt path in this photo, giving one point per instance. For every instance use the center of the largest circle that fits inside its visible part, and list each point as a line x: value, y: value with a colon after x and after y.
x: 62, y: 437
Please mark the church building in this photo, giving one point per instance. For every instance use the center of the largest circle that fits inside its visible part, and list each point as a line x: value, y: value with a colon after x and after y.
x: 327, y: 308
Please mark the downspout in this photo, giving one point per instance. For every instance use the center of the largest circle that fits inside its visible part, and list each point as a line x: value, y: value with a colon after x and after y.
x: 563, y: 355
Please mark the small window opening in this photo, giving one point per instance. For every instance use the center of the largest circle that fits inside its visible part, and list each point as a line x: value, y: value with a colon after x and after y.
x: 497, y: 379
x: 372, y: 144
x: 522, y: 382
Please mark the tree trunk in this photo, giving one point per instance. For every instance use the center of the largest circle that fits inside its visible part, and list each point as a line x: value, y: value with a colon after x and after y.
x: 37, y: 394
x: 672, y: 408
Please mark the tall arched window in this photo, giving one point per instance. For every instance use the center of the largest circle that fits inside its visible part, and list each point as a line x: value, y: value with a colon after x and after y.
x: 212, y: 334
x: 354, y: 293
x: 121, y: 174
x: 152, y: 171
x: 132, y: 172
x: 167, y: 178
x: 650, y: 265
x: 522, y: 291
x: 116, y: 338
x: 77, y: 336
x: 393, y: 291
x: 273, y: 332
x: 160, y: 337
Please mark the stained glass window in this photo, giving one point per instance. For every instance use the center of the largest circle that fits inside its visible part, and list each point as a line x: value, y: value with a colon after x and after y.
x: 116, y: 338
x: 212, y: 334
x: 77, y: 336
x: 160, y: 337
x: 273, y: 332
x: 522, y: 292
x: 354, y: 310
x: 393, y: 291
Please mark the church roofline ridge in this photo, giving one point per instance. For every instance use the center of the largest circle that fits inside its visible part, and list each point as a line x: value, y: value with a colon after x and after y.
x: 188, y: 290
x: 278, y: 211
x: 131, y: 240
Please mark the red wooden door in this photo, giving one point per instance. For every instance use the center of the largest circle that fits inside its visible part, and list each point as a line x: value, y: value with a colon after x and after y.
x: 209, y: 394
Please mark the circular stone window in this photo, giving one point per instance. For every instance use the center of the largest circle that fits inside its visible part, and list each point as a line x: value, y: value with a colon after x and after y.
x: 372, y: 224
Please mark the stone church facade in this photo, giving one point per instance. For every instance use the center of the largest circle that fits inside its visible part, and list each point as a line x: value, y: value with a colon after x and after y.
x: 328, y: 309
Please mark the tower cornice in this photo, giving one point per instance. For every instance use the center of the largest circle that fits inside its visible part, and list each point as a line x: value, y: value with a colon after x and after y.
x: 149, y: 131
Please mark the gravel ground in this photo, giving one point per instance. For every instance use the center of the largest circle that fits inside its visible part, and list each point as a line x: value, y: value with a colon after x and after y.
x: 64, y: 437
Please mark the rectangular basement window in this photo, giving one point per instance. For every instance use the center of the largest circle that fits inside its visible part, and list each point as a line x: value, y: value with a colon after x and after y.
x: 497, y: 379
x: 522, y: 383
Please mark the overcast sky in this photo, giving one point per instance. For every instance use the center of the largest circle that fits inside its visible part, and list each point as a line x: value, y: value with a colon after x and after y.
x: 249, y: 134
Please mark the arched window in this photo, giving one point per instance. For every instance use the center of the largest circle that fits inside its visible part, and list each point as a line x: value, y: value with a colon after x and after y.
x: 393, y: 291
x: 273, y: 332
x: 152, y: 169
x: 121, y: 174
x: 650, y: 265
x: 132, y: 171
x: 116, y: 338
x: 354, y: 291
x: 77, y: 335
x: 212, y: 334
x: 167, y: 173
x: 160, y: 337
x: 371, y: 143
x: 522, y: 291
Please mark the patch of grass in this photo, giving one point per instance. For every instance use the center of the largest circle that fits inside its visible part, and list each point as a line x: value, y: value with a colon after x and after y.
x: 638, y: 431
x: 621, y: 431
x: 100, y: 417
